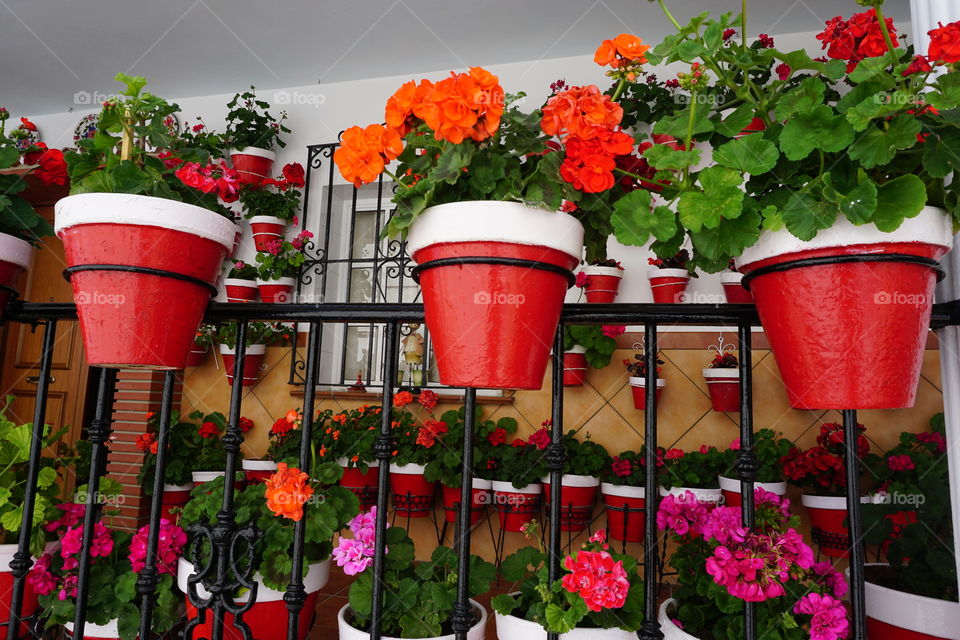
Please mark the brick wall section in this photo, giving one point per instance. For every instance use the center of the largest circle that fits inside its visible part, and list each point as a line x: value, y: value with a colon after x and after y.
x: 138, y: 392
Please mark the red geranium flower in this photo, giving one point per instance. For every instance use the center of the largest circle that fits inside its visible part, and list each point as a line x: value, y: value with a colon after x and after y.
x: 945, y: 43
x: 402, y: 399
x: 497, y: 437
x: 208, y: 430
x: 428, y: 399
x: 281, y: 427
x: 293, y: 174
x: 144, y: 440
x: 246, y: 424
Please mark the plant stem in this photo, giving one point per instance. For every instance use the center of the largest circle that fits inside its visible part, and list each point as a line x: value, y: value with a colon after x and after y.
x: 619, y: 89
x: 666, y: 12
x: 689, y: 138
x: 743, y: 24
x: 395, y: 178
x: 886, y: 33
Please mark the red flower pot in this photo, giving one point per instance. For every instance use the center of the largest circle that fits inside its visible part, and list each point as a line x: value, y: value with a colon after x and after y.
x: 15, y: 258
x: 253, y: 164
x: 363, y: 485
x: 236, y: 239
x: 265, y: 230
x: 668, y: 286
x: 240, y: 289
x: 492, y: 324
x: 174, y: 497
x: 574, y: 367
x: 849, y: 335
x: 277, y: 291
x: 481, y: 497
x: 251, y: 363
x: 267, y: 618
x: 198, y: 355
x: 258, y: 470
x: 897, y: 615
x: 638, y: 386
x: 412, y: 494
x: 625, y: 516
x: 132, y: 318
x: 6, y: 591
x: 516, y: 507
x: 724, y: 388
x: 603, y: 283
x: 733, y: 289
x: 577, y: 497
x: 731, y: 490
x: 828, y: 515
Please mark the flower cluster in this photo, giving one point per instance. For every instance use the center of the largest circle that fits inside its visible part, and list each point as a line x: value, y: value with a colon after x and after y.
x: 356, y: 554
x: 856, y: 38
x: 292, y: 178
x: 625, y: 50
x: 429, y: 431
x: 363, y: 154
x: 597, y: 578
x: 170, y: 543
x: 822, y: 467
x: 287, y: 491
x: 212, y: 178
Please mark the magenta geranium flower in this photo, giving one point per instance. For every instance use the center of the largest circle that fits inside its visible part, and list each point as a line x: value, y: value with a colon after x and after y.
x: 828, y: 616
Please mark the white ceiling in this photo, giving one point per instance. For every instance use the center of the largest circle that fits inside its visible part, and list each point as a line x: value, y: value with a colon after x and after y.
x: 53, y: 49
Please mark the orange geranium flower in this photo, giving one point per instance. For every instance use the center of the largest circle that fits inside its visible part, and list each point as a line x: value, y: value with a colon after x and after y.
x: 622, y: 50
x: 584, y: 112
x: 402, y: 399
x: 287, y: 491
x: 364, y: 153
x: 399, y: 112
x: 465, y: 105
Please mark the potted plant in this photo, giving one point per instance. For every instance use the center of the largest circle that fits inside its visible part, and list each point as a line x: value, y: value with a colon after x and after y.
x: 260, y: 335
x: 769, y: 447
x: 252, y: 133
x: 209, y: 457
x: 913, y: 595
x: 624, y: 497
x: 274, y: 205
x: 273, y: 507
x: 202, y: 345
x: 586, y: 345
x: 692, y: 472
x: 413, y: 494
x: 795, y: 597
x: 732, y: 282
x: 600, y: 280
x: 820, y: 470
x: 584, y: 462
x: 637, y: 374
x: 348, y: 437
x: 597, y: 595
x: 518, y: 467
x: 722, y: 376
x: 864, y: 232
x: 241, y: 282
x: 669, y: 277
x: 117, y: 558
x: 131, y: 219
x: 278, y: 267
x: 418, y: 598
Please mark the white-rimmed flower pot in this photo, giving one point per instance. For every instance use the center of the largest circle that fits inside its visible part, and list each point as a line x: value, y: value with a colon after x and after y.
x: 575, y: 366
x: 253, y: 164
x: 362, y: 484
x: 897, y: 615
x: 638, y: 386
x: 266, y: 229
x: 731, y: 489
x: 413, y: 495
x: 578, y: 494
x: 670, y: 630
x: 480, y: 491
x: 240, y: 289
x: 258, y: 470
x: 515, y: 628
x: 349, y: 632
x: 143, y: 270
x: 277, y: 291
x: 253, y: 358
x: 626, y: 515
x: 7, y: 552
x: 603, y: 283
x: 494, y: 276
x: 267, y: 618
x: 15, y: 258
x: 174, y: 497
x: 723, y: 384
x: 828, y: 527
x: 709, y: 497
x: 202, y: 477
x: 516, y: 506
x: 849, y: 333
x: 93, y: 631
x: 668, y: 286
x: 733, y: 289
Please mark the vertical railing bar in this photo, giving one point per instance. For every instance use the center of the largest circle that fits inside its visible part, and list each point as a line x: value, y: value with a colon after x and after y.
x: 296, y: 595
x: 555, y: 458
x: 99, y: 435
x: 384, y: 451
x: 852, y: 460
x: 148, y: 578
x: 747, y: 459
x: 462, y: 615
x: 651, y: 626
x: 21, y: 562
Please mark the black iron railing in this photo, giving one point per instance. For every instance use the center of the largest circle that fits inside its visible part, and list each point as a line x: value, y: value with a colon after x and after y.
x: 221, y: 572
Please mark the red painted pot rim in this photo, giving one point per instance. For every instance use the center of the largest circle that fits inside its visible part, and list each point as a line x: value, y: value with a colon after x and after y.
x: 16, y: 251
x: 920, y: 614
x: 254, y: 151
x: 132, y: 209
x: 622, y: 490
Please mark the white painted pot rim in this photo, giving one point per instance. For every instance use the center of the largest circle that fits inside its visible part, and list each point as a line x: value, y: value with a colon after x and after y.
x: 731, y: 277
x: 240, y: 282
x: 574, y: 480
x: 733, y: 485
x: 491, y: 221
x: 596, y: 270
x: 577, y: 348
x: 206, y: 476
x: 317, y: 576
x: 721, y: 373
x: 252, y: 350
x: 622, y: 490
x: 259, y: 465
x: 15, y: 250
x: 268, y: 220
x: 178, y: 487
x: 516, y: 628
x: 282, y: 282
x: 482, y: 484
x: 254, y: 151
x: 940, y: 618
x: 126, y: 208
x: 91, y: 630
x: 702, y: 495
x: 6, y: 555
x: 657, y: 272
x: 931, y: 226
x: 408, y: 469
x: 833, y: 503
x: 670, y: 630
x: 349, y: 632
x: 534, y: 488
x: 642, y: 382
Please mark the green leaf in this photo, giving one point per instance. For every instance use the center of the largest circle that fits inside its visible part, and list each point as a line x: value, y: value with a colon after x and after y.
x: 5, y: 494
x: 46, y: 477
x: 873, y: 70
x: 504, y: 604
x: 661, y: 156
x: 734, y: 123
x: 451, y: 163
x: 750, y: 154
x: 940, y: 155
x: 876, y: 146
x: 819, y: 128
x: 802, y: 98
x: 728, y: 239
x: 634, y: 222
x: 947, y: 95
x: 9, y: 155
x: 899, y: 199
x: 858, y: 204
x: 721, y: 198
x: 876, y: 106
x: 11, y: 520
x: 678, y: 125
x: 805, y: 215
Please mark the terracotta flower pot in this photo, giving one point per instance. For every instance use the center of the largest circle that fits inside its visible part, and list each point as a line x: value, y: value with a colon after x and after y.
x: 668, y: 286
x: 252, y: 360
x: 731, y: 489
x: 277, y: 291
x: 258, y: 470
x: 493, y: 276
x: 253, y: 164
x: 849, y: 334
x: 516, y: 507
x: 896, y: 615
x: 733, y: 289
x: 7, y: 552
x: 363, y: 485
x: 724, y: 388
x: 574, y: 366
x: 412, y: 494
x: 638, y: 386
x: 625, y: 516
x: 265, y: 230
x: 349, y: 632
x: 603, y: 284
x: 577, y: 496
x: 240, y: 289
x: 481, y: 497
x: 174, y: 497
x: 143, y: 270
x: 15, y: 258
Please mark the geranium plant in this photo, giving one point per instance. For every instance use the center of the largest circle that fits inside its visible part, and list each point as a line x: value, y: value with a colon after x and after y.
x: 697, y: 469
x: 446, y: 466
x: 282, y: 258
x: 626, y: 469
x: 678, y: 260
x: 200, y: 136
x: 770, y: 449
x: 724, y: 361
x: 418, y: 598
x: 582, y: 457
x: 596, y: 589
x: 17, y: 216
x: 720, y: 565
x: 277, y: 197
x: 249, y: 124
x: 522, y: 462
x: 242, y: 270
x: 637, y: 368
x: 599, y: 342
x: 415, y: 443
x: 821, y: 467
x: 268, y: 333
